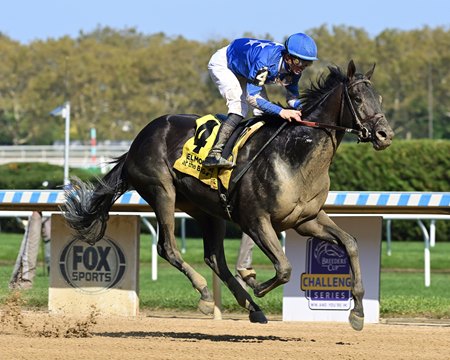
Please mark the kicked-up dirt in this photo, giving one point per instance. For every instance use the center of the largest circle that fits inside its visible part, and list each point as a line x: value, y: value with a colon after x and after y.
x: 163, y: 335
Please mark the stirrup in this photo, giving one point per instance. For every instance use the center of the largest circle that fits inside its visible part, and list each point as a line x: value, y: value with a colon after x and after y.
x: 215, y: 159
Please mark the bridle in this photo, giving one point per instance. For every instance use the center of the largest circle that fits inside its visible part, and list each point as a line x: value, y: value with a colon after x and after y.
x: 364, y: 134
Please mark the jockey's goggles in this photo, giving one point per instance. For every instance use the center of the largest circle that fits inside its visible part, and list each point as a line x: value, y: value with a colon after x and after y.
x: 300, y: 62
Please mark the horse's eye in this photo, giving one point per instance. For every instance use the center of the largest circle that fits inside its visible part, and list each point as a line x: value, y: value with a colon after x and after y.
x: 358, y: 100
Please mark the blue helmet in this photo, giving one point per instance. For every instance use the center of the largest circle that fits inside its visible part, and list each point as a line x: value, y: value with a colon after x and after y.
x: 301, y: 46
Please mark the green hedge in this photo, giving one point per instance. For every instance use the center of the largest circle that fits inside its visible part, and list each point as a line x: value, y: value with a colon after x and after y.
x: 416, y: 165
x: 413, y: 165
x: 33, y: 175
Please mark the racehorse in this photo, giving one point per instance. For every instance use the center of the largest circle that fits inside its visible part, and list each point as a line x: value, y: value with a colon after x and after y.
x: 284, y: 188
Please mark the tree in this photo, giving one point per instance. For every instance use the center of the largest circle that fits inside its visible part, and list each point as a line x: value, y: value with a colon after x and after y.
x: 15, y: 75
x: 119, y: 80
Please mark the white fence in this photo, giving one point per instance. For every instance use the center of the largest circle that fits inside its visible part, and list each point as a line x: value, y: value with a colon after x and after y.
x: 79, y: 155
x: 389, y: 205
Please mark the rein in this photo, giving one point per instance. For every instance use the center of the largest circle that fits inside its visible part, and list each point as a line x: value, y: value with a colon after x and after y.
x: 250, y: 163
x: 362, y: 133
x: 328, y: 126
x: 309, y: 124
x: 344, y: 98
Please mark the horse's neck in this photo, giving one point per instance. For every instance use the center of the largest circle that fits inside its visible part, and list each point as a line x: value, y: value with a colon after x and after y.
x: 329, y: 112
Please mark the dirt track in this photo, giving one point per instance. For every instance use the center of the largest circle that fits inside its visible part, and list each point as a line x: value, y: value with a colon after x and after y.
x: 192, y: 336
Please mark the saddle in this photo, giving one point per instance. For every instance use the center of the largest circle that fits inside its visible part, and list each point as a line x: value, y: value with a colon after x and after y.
x: 197, y: 148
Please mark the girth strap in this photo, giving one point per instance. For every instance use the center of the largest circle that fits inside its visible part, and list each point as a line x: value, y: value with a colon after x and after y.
x: 225, y: 195
x: 250, y: 163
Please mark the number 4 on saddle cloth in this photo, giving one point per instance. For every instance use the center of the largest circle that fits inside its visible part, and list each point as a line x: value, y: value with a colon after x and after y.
x: 197, y: 148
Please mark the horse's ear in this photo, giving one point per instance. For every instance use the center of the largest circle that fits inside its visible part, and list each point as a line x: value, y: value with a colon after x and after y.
x: 370, y: 72
x: 351, y: 69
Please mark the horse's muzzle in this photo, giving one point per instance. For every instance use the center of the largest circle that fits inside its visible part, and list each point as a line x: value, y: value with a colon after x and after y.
x: 382, y: 134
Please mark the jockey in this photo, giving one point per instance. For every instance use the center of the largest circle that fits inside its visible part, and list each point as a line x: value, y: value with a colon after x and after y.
x: 240, y: 71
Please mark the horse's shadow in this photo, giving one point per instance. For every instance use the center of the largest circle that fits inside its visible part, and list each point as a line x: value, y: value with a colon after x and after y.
x: 191, y: 336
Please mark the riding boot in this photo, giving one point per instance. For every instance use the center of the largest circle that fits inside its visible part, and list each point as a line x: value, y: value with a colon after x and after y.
x: 214, y: 158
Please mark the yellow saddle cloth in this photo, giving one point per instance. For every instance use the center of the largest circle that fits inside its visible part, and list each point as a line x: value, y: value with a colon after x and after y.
x: 197, y: 148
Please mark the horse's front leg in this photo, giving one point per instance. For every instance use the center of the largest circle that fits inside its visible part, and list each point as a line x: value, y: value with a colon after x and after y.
x: 322, y: 227
x: 213, y: 236
x: 162, y: 200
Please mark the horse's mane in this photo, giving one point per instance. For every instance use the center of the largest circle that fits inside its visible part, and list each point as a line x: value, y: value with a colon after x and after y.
x: 311, y: 97
x: 325, y: 83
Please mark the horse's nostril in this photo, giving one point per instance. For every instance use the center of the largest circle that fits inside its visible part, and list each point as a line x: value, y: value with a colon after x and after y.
x: 381, y: 135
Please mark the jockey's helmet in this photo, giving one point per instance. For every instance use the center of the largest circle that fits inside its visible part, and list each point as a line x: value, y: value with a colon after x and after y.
x: 301, y: 46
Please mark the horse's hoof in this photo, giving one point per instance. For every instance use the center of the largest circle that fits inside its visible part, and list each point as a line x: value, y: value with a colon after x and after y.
x: 356, y: 321
x: 258, y: 317
x: 206, y: 307
x: 260, y: 294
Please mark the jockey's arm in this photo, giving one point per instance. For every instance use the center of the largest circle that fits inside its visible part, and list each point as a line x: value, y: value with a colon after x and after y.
x: 255, y: 99
x: 293, y: 95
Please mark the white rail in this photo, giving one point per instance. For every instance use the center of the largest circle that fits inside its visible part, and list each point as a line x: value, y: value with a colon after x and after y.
x: 390, y: 205
x: 79, y: 155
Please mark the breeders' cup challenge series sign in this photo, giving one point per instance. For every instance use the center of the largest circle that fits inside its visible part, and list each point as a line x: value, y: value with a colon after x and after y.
x: 327, y: 282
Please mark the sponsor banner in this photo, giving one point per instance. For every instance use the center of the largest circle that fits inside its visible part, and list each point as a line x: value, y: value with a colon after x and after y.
x: 92, y: 269
x: 104, y: 276
x: 327, y: 281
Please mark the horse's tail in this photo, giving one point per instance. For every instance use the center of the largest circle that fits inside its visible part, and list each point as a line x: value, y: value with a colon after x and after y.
x: 86, y: 207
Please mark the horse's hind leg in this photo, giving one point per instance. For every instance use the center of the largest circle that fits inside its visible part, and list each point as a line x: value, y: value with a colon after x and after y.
x: 266, y: 238
x: 163, y: 203
x: 213, y: 235
x: 324, y: 228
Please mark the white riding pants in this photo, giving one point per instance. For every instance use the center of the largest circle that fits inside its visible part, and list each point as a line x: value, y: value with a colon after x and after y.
x: 245, y: 256
x: 232, y: 88
x: 25, y: 267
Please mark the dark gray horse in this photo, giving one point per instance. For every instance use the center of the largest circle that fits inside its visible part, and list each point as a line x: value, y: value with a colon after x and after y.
x: 285, y: 187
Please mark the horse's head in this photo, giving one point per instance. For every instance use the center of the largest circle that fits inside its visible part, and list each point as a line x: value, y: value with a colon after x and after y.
x: 365, y: 107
